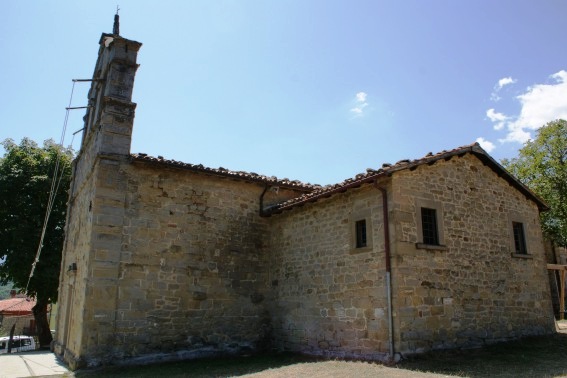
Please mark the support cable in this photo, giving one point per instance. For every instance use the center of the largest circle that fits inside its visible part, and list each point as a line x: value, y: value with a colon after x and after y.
x: 55, y: 182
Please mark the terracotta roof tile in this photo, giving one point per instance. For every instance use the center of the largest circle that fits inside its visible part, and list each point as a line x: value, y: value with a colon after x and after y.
x: 315, y: 192
x: 221, y: 171
x: 387, y: 169
x: 16, y: 306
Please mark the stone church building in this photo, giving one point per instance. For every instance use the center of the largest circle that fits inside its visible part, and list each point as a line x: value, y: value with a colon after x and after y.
x: 170, y: 260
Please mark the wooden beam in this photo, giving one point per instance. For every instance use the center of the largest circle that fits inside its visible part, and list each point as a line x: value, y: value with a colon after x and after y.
x: 556, y: 267
x: 562, y: 271
x: 562, y: 298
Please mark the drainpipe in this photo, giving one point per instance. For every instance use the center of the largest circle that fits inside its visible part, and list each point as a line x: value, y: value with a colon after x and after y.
x: 388, y: 268
x: 262, y: 212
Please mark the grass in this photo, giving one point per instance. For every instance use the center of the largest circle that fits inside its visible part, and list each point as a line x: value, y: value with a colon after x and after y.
x: 544, y: 356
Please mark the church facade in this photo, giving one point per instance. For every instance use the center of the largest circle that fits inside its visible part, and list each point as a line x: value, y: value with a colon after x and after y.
x: 169, y: 260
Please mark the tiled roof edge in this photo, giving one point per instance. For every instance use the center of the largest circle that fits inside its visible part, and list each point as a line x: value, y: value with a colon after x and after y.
x: 372, y: 175
x: 238, y: 175
x: 488, y: 160
x: 19, y: 304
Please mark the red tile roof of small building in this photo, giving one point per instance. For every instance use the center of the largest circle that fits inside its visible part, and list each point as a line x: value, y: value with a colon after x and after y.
x: 17, y: 306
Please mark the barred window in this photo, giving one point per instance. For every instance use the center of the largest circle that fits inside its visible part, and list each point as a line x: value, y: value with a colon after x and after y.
x: 429, y: 226
x: 361, y: 240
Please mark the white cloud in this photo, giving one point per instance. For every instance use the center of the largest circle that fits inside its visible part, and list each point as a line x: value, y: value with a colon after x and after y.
x: 543, y: 103
x: 485, y: 144
x: 498, y: 118
x: 501, y: 83
x: 517, y: 135
x: 359, y: 104
x: 540, y: 103
x: 361, y: 97
x: 505, y: 81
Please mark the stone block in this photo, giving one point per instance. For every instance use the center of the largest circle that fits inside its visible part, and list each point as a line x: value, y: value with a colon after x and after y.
x: 107, y: 255
x: 102, y: 272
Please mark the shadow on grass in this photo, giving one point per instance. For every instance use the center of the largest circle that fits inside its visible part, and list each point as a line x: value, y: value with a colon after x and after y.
x: 210, y: 367
x: 542, y: 356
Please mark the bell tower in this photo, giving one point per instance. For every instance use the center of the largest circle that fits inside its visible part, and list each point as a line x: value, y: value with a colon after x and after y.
x: 92, y: 250
x: 110, y: 116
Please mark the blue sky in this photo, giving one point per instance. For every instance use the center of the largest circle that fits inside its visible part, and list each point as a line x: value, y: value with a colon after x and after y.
x: 310, y: 90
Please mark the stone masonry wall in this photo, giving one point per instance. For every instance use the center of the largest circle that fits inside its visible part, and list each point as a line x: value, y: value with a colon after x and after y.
x: 76, y: 250
x: 475, y: 291
x: 93, y: 241
x: 192, y: 271
x: 329, y: 298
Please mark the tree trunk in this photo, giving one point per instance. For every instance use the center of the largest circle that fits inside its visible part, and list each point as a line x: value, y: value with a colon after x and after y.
x: 41, y: 322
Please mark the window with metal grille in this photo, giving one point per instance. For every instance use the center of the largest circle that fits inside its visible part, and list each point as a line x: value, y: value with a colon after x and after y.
x: 519, y: 238
x: 361, y: 233
x: 429, y: 226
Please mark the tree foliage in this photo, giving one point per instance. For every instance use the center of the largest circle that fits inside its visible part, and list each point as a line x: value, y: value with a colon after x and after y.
x: 26, y: 173
x: 5, y: 290
x: 542, y: 166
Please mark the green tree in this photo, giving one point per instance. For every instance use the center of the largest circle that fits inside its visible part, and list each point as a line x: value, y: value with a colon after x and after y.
x: 26, y: 181
x: 542, y: 166
x: 5, y: 290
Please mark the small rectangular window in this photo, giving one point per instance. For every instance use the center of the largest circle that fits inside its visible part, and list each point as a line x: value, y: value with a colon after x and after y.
x: 519, y: 238
x: 429, y: 226
x: 361, y: 240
